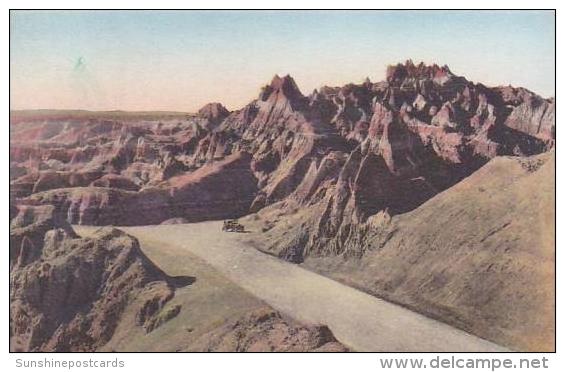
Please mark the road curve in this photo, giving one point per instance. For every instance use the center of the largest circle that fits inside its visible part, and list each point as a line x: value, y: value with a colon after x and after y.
x: 360, y: 321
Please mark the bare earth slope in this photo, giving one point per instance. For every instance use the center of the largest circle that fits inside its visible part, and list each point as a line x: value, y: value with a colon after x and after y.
x: 480, y: 255
x: 69, y: 293
x: 358, y: 320
x: 382, y: 185
x: 101, y: 292
x: 215, y: 314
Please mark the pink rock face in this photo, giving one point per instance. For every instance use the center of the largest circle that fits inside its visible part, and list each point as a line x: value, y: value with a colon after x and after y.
x: 408, y: 70
x: 68, y: 293
x: 214, y: 113
x: 352, y: 151
x: 114, y: 181
x: 265, y: 330
x: 382, y: 117
x: 27, y: 231
x: 534, y: 117
x: 49, y: 180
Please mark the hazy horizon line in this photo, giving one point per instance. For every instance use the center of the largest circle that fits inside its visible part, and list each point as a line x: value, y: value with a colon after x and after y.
x: 231, y: 109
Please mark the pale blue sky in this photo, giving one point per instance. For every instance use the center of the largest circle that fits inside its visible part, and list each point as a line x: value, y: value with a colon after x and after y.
x: 180, y: 60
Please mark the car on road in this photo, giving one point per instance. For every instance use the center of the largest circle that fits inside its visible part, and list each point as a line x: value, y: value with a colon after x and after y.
x: 232, y: 226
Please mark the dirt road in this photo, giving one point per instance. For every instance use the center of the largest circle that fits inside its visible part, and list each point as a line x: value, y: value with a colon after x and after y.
x: 360, y: 321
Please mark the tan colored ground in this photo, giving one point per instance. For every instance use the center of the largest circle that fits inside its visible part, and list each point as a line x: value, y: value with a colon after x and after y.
x: 479, y: 256
x: 206, y: 304
x: 215, y: 314
x: 358, y: 320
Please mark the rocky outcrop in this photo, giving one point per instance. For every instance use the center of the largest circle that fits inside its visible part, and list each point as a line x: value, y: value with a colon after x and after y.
x: 49, y: 180
x: 349, y: 152
x: 205, y: 194
x: 265, y: 330
x: 530, y: 114
x: 330, y: 170
x: 214, y: 113
x: 68, y: 293
x: 409, y: 138
x: 115, y: 181
x: 27, y: 231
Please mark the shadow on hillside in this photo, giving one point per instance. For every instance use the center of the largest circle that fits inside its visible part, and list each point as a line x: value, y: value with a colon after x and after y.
x: 181, y: 280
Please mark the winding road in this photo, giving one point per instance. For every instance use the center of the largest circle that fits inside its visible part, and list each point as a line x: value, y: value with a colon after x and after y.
x: 358, y: 320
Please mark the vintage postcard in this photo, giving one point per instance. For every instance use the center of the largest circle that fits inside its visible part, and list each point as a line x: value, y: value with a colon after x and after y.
x: 282, y: 181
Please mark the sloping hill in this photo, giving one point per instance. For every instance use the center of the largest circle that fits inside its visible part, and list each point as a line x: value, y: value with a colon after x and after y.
x: 480, y: 255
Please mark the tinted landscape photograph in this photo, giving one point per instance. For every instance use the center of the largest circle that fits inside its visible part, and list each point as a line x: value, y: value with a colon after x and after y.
x: 282, y: 181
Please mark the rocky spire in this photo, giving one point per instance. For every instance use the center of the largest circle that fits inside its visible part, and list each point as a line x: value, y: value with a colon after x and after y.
x: 281, y: 85
x: 396, y: 74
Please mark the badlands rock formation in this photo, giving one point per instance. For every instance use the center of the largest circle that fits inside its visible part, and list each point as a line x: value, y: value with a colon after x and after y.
x: 267, y: 330
x: 352, y: 151
x: 480, y: 255
x: 68, y: 293
x: 323, y: 175
x: 219, y: 190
